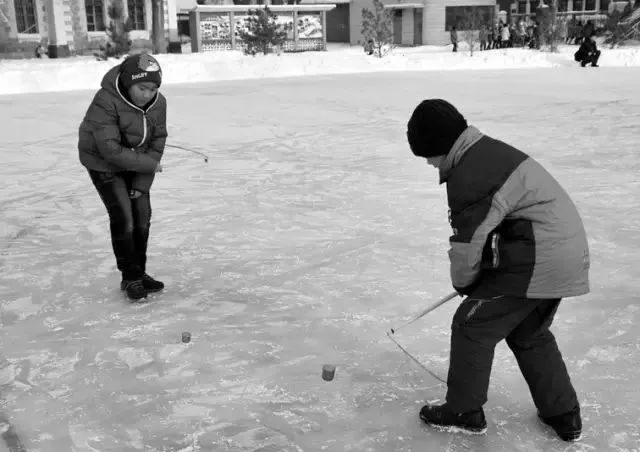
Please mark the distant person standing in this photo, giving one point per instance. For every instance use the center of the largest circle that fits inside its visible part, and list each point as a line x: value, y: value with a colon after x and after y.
x: 483, y: 38
x: 505, y: 36
x: 497, y: 43
x: 454, y: 38
x: 121, y: 141
x: 578, y: 33
x: 490, y: 36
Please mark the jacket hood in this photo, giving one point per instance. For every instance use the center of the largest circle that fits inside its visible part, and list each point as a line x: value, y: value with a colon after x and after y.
x: 110, y: 84
x: 110, y: 81
x: 468, y: 138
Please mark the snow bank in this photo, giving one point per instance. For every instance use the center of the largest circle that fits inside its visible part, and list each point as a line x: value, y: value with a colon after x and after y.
x: 29, y: 76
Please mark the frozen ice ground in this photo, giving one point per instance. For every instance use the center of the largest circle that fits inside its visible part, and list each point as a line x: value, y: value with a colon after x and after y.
x: 311, y: 231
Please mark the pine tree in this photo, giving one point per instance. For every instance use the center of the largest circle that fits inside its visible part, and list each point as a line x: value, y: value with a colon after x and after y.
x: 262, y: 32
x: 616, y: 29
x: 377, y: 28
x: 550, y: 26
x: 470, y: 26
x: 118, y: 43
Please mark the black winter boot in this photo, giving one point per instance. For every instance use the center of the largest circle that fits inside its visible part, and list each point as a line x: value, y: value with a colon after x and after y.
x: 567, y: 425
x: 151, y: 284
x: 441, y: 416
x: 135, y: 289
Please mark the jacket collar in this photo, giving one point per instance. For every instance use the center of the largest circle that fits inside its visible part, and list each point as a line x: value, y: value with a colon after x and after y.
x: 467, y: 138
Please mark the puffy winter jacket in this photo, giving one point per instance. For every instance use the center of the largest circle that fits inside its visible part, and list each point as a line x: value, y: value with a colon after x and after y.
x: 115, y: 135
x: 515, y: 230
x: 586, y: 50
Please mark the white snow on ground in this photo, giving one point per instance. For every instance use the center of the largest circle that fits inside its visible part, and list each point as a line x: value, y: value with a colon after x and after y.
x: 309, y: 233
x: 20, y: 76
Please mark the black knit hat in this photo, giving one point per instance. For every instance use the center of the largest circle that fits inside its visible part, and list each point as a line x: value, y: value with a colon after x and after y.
x: 140, y: 68
x: 433, y: 128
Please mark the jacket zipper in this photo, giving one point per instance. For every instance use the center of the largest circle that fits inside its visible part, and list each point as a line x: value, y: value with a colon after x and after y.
x: 144, y: 113
x: 494, y: 248
x: 144, y: 128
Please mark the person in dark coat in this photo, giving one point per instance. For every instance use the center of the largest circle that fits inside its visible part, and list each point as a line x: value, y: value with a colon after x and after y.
x: 490, y: 37
x: 518, y: 247
x: 483, y: 38
x: 454, y: 38
x: 40, y: 51
x: 369, y: 47
x: 121, y: 142
x: 588, y: 52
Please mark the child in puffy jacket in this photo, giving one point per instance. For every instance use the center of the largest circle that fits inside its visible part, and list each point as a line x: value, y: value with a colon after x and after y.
x: 518, y: 247
x: 121, y: 141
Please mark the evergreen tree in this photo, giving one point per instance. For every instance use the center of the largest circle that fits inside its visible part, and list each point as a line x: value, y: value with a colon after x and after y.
x: 118, y: 43
x: 377, y: 28
x: 262, y: 33
x: 616, y: 29
x: 549, y: 25
x: 470, y: 26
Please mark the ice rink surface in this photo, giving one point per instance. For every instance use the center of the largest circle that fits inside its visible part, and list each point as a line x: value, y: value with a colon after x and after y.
x: 309, y: 233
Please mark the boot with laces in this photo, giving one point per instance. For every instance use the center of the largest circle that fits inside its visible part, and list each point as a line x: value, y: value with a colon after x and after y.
x: 151, y: 285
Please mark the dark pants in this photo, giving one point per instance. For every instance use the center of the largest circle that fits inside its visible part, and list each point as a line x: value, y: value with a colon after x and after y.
x: 590, y: 58
x: 129, y: 220
x: 455, y: 46
x: 478, y: 326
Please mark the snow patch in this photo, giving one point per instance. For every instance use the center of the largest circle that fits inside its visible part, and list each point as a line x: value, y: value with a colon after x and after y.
x: 608, y: 354
x: 34, y: 75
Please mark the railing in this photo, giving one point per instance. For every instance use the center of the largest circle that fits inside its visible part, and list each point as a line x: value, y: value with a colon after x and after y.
x: 28, y: 30
x: 301, y: 45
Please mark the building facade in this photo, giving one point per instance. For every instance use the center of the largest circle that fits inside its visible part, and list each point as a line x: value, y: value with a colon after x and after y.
x: 421, y: 22
x: 67, y: 27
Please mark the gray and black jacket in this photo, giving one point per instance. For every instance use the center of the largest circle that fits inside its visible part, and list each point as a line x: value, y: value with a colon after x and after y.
x: 516, y: 232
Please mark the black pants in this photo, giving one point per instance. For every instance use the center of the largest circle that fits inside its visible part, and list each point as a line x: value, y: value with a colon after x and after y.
x: 455, y: 46
x: 129, y: 220
x: 478, y: 326
x: 590, y: 58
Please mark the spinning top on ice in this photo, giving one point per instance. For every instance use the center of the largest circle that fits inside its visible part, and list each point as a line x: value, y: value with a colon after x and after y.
x: 328, y: 372
x: 186, y: 337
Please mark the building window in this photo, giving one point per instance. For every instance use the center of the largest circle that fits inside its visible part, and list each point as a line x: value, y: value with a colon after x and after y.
x: 95, y: 15
x: 136, y: 14
x: 468, y: 17
x: 26, y: 16
x: 590, y: 5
